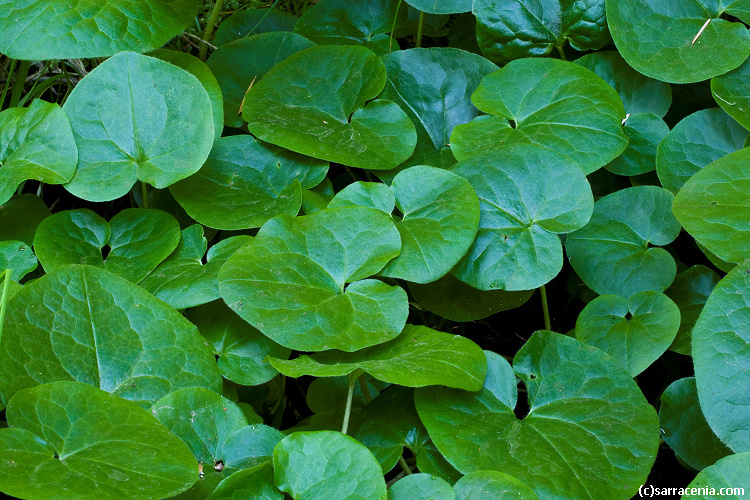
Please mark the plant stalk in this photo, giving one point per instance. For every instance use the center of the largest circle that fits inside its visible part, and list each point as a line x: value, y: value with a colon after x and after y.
x: 545, y: 308
x: 561, y: 52
x: 144, y: 194
x: 420, y: 29
x: 349, y: 397
x: 365, y: 389
x: 19, y: 83
x: 8, y: 273
x: 8, y: 79
x: 404, y: 465
x: 209, y: 32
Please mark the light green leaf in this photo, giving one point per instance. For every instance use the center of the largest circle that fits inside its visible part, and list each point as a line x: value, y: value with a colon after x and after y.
x: 690, y: 291
x: 731, y: 92
x: 557, y: 104
x: 441, y: 6
x: 20, y: 216
x: 76, y: 441
x: 713, y: 205
x: 589, y: 433
x: 57, y: 29
x: 244, y: 183
x: 18, y: 257
x: 329, y: 116
x: 634, y: 331
x: 720, y: 356
x: 86, y: 324
x: 697, y: 140
x: 421, y: 487
x: 301, y: 280
x: 729, y: 473
x: 138, y: 240
x: 365, y: 194
x: 418, y: 357
x: 334, y: 465
x: 491, y: 485
x: 613, y: 255
x: 137, y: 118
x: 528, y: 195
x: 253, y: 22
x: 684, y: 427
x: 35, y: 143
x: 256, y: 483
x: 645, y: 131
x: 681, y: 42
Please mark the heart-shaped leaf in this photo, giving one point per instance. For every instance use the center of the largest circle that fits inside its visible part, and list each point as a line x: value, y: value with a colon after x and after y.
x: 684, y: 427
x: 244, y: 183
x: 697, y: 140
x: 720, y: 355
x: 418, y: 357
x: 253, y: 22
x: 20, y: 216
x: 612, y: 253
x: 86, y: 324
x: 35, y: 143
x: 18, y: 257
x: 335, y: 465
x: 690, y: 291
x: 486, y: 484
x: 731, y: 92
x: 645, y: 131
x: 73, y: 438
x: 421, y: 487
x: 330, y: 117
x: 557, y: 104
x: 138, y: 240
x: 137, y: 118
x: 713, y: 205
x: 256, y: 483
x: 441, y: 6
x: 57, y: 29
x: 589, y: 432
x: 528, y: 195
x: 301, y: 280
x: 730, y: 473
x: 682, y: 43
x: 523, y: 28
x: 634, y: 331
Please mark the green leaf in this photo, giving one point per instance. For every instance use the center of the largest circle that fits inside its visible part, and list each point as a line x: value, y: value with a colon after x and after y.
x: 57, y: 29
x: 244, y: 183
x: 639, y: 93
x: 241, y: 350
x: 589, y: 432
x: 682, y: 43
x: 634, y: 331
x: 645, y: 131
x: 491, y: 485
x: 329, y: 116
x: 138, y: 240
x: 86, y: 324
x: 76, y: 441
x: 455, y: 300
x: 441, y: 6
x: 35, y: 143
x: 256, y: 483
x: 720, y: 356
x: 18, y: 257
x: 334, y: 465
x: 528, y: 195
x: 418, y: 357
x: 685, y: 428
x: 557, y: 104
x: 713, y: 205
x: 613, y: 255
x: 301, y: 280
x: 137, y: 118
x: 20, y: 216
x: 239, y: 63
x: 421, y: 487
x: 690, y: 291
x: 365, y: 194
x: 729, y: 472
x: 317, y: 198
x: 253, y: 22
x: 524, y: 28
x: 731, y: 92
x: 697, y: 140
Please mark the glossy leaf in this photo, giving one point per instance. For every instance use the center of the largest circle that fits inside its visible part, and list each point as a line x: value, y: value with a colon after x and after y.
x: 335, y: 465
x: 330, y: 117
x: 720, y: 356
x: 18, y: 257
x: 256, y: 483
x: 729, y: 472
x: 713, y: 205
x: 645, y: 131
x: 613, y: 255
x: 418, y: 357
x: 634, y: 331
x: 679, y: 43
x: 491, y: 484
x: 365, y: 194
x: 137, y: 118
x: 528, y: 195
x: 244, y: 183
x: 556, y: 104
x: 57, y: 29
x: 301, y: 281
x: 589, y: 433
x: 697, y: 140
x: 421, y: 487
x: 20, y: 216
x: 76, y: 441
x: 731, y: 90
x: 86, y: 324
x: 253, y: 22
x: 690, y: 291
x: 35, y: 143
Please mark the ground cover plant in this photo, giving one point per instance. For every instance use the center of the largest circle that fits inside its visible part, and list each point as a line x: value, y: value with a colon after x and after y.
x: 374, y: 249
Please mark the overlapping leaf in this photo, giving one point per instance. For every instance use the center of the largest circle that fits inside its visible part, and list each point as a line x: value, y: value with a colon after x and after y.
x: 254, y: 483
x: 690, y: 291
x: 421, y: 487
x: 20, y: 216
x: 253, y: 22
x: 645, y: 131
x: 18, y: 257
x: 731, y: 92
x: 728, y: 473
x: 441, y: 6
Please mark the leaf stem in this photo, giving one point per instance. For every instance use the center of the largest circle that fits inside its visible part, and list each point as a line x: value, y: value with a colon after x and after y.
x: 349, y: 397
x: 545, y: 308
x: 561, y: 52
x: 404, y: 465
x: 19, y: 83
x: 8, y: 273
x: 209, y: 32
x: 144, y: 194
x: 393, y: 27
x: 365, y: 389
x: 263, y: 17
x: 8, y: 79
x: 420, y: 29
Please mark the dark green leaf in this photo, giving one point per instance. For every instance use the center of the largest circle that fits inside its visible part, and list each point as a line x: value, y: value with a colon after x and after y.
x: 20, y: 216
x: 441, y: 6
x: 491, y: 485
x: 18, y: 257
x: 690, y: 291
x: 256, y: 483
x: 645, y: 131
x: 253, y: 22
x: 421, y: 487
x: 731, y: 92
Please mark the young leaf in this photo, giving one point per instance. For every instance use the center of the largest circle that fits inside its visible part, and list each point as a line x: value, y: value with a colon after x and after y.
x: 137, y: 118
x: 256, y: 483
x: 486, y: 484
x: 329, y: 117
x: 35, y: 143
x: 86, y: 324
x: 253, y: 22
x: 20, y: 216
x: 690, y: 291
x: 728, y: 473
x: 589, y: 433
x: 76, y: 441
x: 421, y: 487
x: 418, y: 357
